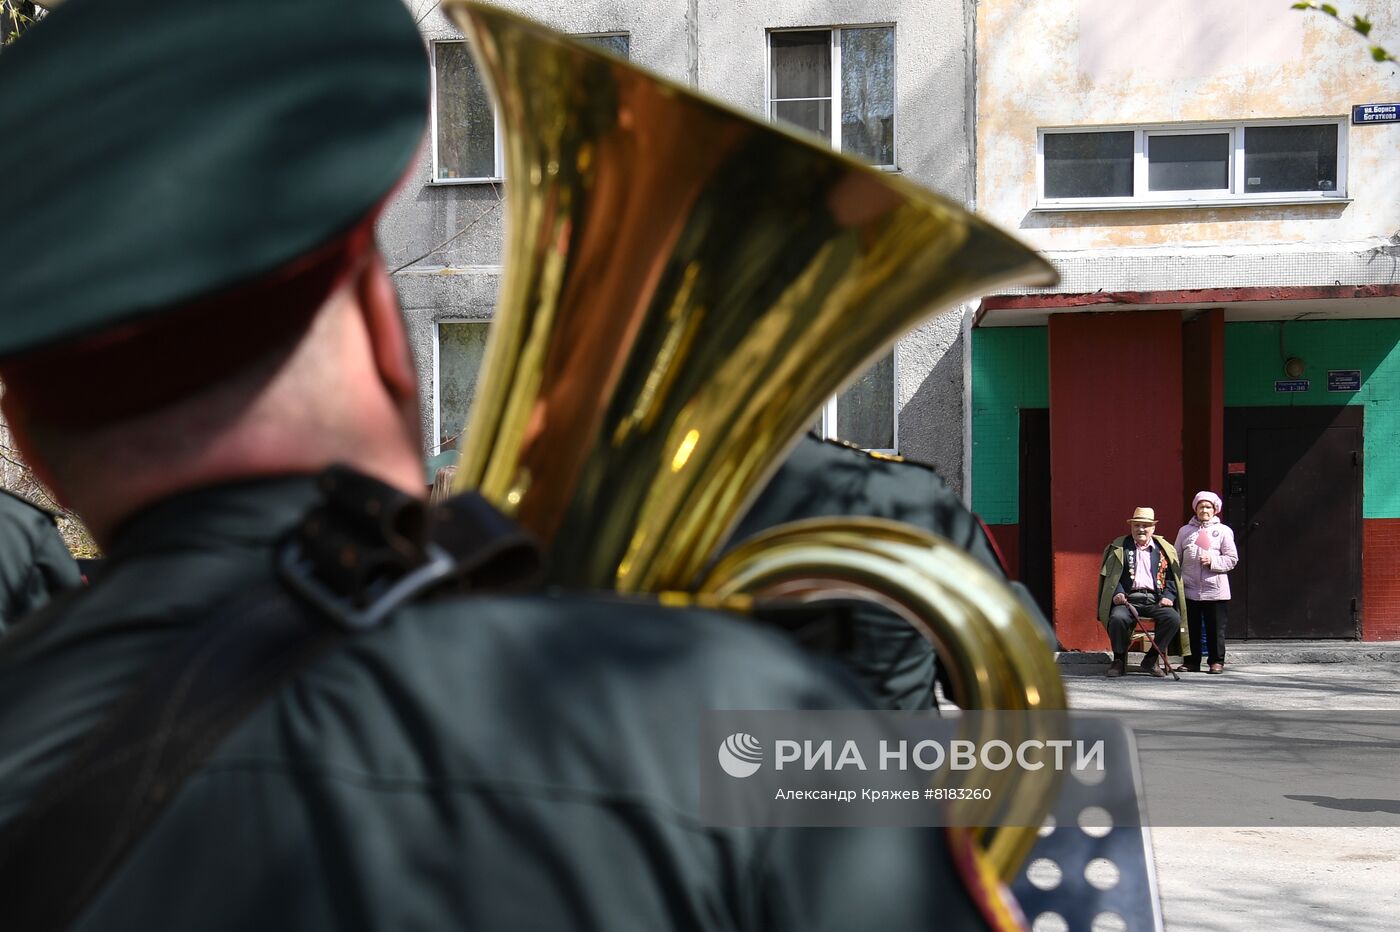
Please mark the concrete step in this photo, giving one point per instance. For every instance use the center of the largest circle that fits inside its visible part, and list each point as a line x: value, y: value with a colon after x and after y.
x: 1275, y: 652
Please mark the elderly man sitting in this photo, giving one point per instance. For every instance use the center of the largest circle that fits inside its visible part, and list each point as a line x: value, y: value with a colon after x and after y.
x: 1140, y: 570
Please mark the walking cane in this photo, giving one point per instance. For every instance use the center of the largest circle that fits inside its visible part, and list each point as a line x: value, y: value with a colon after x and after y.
x: 1142, y: 629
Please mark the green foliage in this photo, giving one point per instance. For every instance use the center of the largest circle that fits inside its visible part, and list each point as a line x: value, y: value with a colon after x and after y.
x: 1359, y: 24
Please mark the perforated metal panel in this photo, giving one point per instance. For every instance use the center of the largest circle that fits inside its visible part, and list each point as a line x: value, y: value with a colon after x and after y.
x: 1092, y: 869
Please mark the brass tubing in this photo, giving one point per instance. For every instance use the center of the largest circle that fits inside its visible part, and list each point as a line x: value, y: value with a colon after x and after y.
x: 994, y: 650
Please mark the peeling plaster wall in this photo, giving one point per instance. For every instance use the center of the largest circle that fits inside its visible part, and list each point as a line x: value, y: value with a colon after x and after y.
x: 1104, y: 62
x: 722, y: 47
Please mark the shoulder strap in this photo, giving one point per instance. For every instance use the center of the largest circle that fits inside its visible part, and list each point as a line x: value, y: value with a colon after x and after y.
x: 61, y: 849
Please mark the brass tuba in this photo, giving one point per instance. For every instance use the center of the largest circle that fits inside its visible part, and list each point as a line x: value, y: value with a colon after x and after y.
x: 683, y: 286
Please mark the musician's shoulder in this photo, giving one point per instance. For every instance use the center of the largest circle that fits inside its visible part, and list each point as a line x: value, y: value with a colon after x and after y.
x: 631, y: 636
x: 13, y: 503
x: 855, y: 451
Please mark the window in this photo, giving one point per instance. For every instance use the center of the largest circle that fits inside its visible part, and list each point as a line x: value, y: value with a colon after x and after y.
x: 459, y: 350
x: 619, y: 43
x: 839, y: 84
x: 466, y: 144
x: 1290, y: 158
x: 864, y: 414
x: 1088, y: 165
x: 1198, y: 161
x: 1223, y: 163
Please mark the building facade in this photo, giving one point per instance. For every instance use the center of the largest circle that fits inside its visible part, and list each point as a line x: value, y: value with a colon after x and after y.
x: 1228, y: 315
x: 887, y: 81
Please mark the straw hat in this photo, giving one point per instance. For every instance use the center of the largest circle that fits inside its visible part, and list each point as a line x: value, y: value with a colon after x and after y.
x: 1143, y: 516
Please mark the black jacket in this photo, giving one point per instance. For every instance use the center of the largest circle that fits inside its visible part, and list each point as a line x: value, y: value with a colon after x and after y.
x: 487, y: 762
x: 34, y: 562
x: 824, y: 478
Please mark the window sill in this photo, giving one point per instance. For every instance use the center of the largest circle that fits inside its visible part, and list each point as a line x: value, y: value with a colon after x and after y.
x: 449, y: 182
x: 1175, y: 204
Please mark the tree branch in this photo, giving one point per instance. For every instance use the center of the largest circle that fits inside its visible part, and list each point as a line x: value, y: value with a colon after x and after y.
x: 1359, y: 25
x: 454, y: 236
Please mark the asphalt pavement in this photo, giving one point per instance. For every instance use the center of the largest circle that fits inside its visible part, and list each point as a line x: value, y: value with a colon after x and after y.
x: 1267, y: 876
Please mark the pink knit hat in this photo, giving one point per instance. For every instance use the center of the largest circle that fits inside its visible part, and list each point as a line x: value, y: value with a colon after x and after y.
x: 1206, y: 497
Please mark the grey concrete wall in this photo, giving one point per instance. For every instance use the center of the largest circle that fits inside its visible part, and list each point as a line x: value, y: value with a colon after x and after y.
x: 721, y: 46
x: 424, y: 214
x: 932, y: 110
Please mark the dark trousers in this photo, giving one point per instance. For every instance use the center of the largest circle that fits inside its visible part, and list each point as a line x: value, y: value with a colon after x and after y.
x: 1166, y: 619
x: 1211, y: 615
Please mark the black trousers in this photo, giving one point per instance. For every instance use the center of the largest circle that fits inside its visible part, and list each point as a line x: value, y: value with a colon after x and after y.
x: 1211, y: 616
x: 1166, y: 620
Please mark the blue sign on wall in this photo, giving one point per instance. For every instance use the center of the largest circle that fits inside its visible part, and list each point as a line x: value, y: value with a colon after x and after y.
x: 1375, y: 113
x: 1344, y: 380
x: 1290, y: 385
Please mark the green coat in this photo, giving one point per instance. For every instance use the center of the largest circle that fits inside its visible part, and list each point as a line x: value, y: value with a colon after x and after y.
x: 1111, y: 570
x: 34, y: 562
x: 487, y: 762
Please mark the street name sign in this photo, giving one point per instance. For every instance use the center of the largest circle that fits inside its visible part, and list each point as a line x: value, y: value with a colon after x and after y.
x: 1375, y: 113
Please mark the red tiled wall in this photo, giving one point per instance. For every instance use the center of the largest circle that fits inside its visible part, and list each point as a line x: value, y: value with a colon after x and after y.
x: 1008, y: 540
x: 1380, y: 579
x: 1115, y: 443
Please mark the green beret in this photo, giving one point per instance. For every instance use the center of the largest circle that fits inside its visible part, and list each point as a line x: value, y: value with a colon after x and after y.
x: 162, y: 151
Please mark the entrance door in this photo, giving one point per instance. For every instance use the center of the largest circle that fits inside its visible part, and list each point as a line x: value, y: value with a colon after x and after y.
x: 1037, y: 555
x: 1296, y: 512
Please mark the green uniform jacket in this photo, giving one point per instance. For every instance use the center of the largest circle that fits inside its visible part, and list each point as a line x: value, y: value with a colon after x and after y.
x: 1114, y: 559
x: 494, y: 762
x: 34, y: 562
x: 828, y: 478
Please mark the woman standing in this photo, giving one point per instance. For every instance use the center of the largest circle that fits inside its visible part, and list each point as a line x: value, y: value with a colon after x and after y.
x: 1208, y: 552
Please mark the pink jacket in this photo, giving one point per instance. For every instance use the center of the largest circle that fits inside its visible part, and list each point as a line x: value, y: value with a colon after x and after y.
x: 1206, y: 584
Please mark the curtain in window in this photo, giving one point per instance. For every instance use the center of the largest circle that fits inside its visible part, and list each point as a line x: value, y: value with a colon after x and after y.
x: 867, y: 94
x: 466, y: 134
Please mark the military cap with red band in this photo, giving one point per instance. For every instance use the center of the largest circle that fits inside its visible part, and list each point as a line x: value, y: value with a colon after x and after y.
x: 175, y: 153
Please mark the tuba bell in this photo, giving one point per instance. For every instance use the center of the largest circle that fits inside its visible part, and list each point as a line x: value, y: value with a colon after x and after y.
x: 683, y: 286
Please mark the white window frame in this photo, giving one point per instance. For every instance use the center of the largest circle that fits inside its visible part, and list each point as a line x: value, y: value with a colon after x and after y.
x: 437, y: 373
x: 834, y: 33
x: 1236, y: 196
x: 1144, y: 164
x: 830, y: 410
x: 498, y: 155
x: 608, y: 34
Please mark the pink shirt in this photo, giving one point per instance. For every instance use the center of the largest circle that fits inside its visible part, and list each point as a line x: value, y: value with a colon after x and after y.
x: 1144, y: 573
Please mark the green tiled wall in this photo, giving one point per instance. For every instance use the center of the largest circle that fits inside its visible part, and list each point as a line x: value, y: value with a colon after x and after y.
x: 1254, y: 359
x: 1010, y: 371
